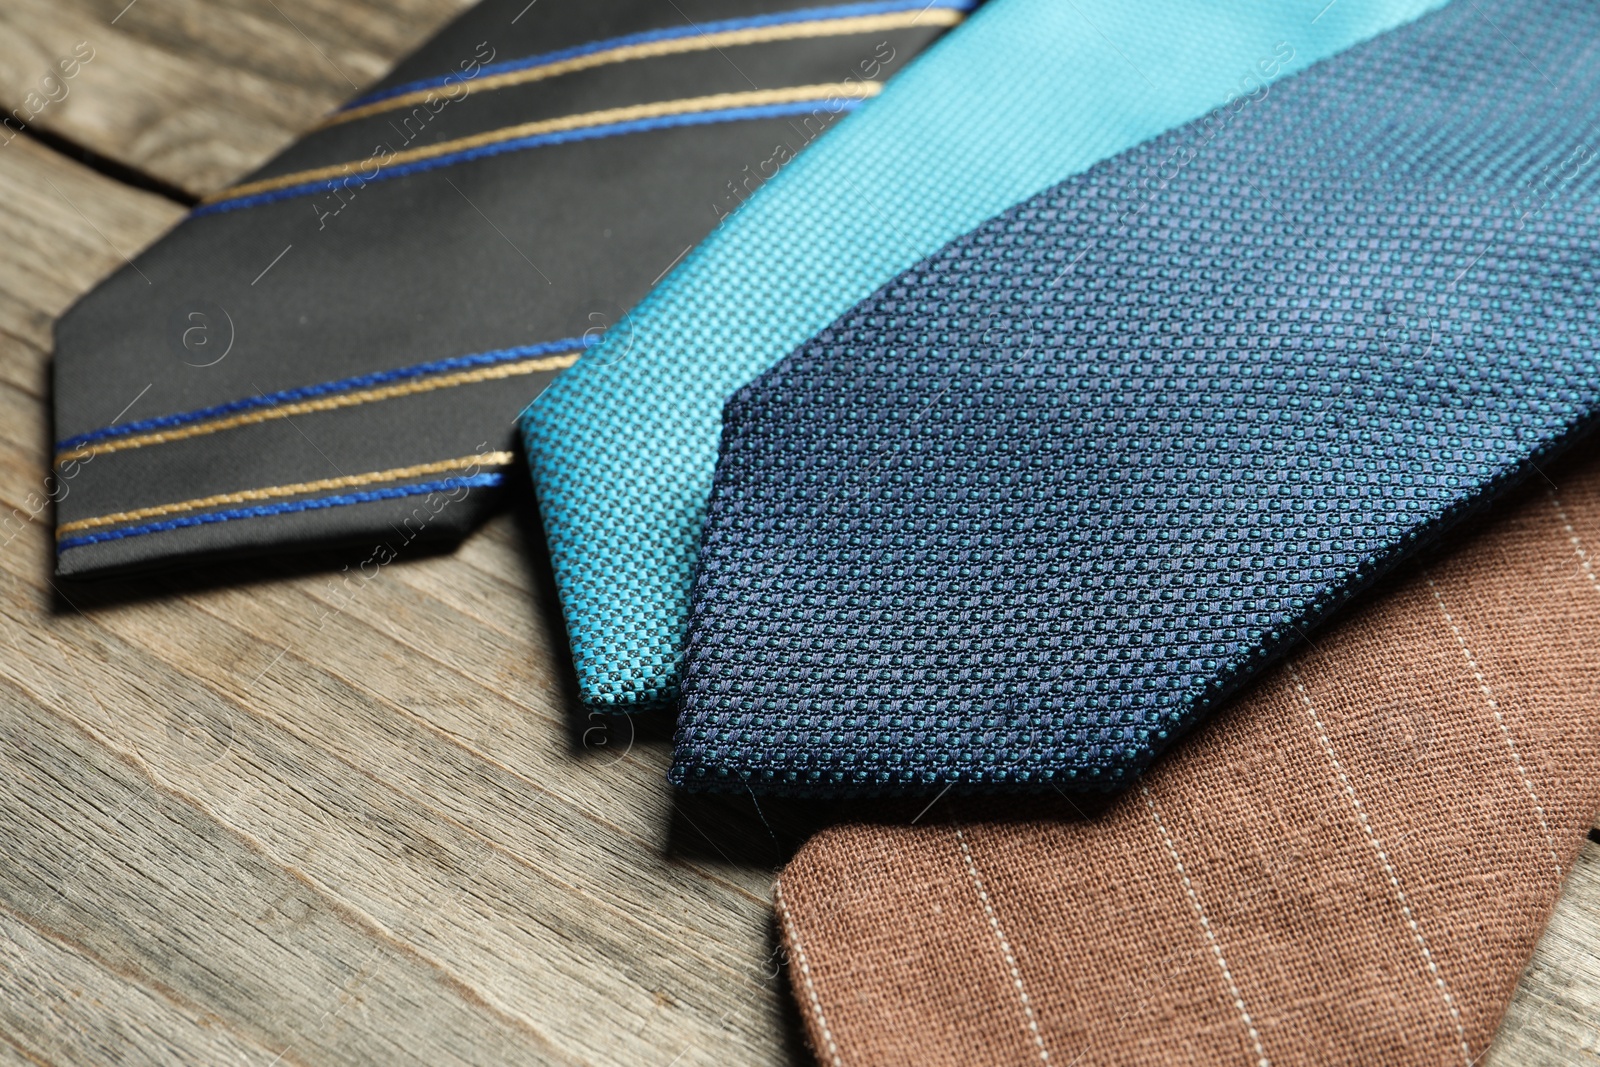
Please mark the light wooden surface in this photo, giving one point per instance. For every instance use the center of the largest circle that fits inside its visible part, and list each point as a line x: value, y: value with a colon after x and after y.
x: 196, y: 92
x: 243, y: 819
x: 237, y: 821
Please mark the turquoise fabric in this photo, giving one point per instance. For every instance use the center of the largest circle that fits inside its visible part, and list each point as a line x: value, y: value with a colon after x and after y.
x: 1027, y: 93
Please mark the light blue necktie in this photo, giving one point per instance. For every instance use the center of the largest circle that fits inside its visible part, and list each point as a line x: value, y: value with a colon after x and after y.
x: 1027, y: 93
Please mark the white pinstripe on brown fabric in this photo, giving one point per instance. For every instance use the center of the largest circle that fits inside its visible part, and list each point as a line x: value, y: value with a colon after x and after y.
x: 1500, y: 721
x: 1367, y: 850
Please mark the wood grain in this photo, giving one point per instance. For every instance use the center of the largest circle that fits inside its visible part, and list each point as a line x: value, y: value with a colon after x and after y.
x: 1555, y: 1015
x: 62, y: 228
x: 252, y: 817
x: 198, y: 92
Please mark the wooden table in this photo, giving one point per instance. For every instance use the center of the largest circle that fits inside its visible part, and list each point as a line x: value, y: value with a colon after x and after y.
x: 239, y: 824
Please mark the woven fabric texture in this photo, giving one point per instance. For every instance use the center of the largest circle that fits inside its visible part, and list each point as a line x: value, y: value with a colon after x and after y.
x: 1026, y: 93
x: 1351, y: 864
x: 1026, y: 515
x: 377, y: 304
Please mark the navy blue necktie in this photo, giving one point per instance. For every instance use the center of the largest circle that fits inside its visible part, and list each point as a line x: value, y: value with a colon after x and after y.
x: 1025, y: 515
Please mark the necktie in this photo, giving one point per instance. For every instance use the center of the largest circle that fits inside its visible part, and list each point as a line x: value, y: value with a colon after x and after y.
x: 1351, y: 864
x: 1026, y: 515
x: 1029, y: 92
x: 336, y: 348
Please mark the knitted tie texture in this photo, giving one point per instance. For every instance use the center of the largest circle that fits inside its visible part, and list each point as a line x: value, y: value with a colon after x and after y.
x: 1026, y: 93
x: 1024, y: 516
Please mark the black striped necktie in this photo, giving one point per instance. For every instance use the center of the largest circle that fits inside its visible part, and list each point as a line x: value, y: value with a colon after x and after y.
x: 334, y: 350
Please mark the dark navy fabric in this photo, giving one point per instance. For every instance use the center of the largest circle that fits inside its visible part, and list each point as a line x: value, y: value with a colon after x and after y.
x: 1024, y: 516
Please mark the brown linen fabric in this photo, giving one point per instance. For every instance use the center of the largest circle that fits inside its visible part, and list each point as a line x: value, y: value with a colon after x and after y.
x: 1350, y: 864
